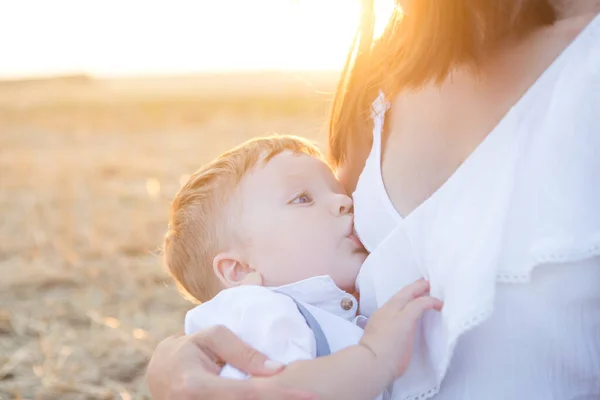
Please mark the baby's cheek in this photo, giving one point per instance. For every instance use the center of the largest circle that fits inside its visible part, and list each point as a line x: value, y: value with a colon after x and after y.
x: 346, y: 276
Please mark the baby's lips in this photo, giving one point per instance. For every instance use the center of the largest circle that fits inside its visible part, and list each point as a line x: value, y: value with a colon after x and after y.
x: 356, y: 241
x: 355, y: 234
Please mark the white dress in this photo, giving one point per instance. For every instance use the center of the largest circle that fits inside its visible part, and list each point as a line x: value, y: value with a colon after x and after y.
x: 510, y: 243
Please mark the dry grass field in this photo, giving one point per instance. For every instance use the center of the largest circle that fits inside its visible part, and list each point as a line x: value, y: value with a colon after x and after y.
x: 87, y: 170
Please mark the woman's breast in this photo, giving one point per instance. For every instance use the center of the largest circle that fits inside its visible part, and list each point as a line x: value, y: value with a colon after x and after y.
x: 373, y: 218
x: 392, y: 265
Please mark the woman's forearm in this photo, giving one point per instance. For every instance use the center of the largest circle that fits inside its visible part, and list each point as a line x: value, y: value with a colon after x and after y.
x: 354, y: 373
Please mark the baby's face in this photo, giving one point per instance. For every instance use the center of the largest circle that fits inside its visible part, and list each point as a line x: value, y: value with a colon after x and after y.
x: 297, y: 222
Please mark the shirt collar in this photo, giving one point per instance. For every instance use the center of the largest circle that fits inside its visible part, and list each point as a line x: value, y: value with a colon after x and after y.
x: 321, y: 292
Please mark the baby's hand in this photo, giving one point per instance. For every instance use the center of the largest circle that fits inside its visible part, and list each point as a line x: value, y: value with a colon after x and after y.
x: 390, y: 332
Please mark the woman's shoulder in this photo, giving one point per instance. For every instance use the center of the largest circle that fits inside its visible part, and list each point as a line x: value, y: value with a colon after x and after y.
x: 569, y: 88
x: 561, y: 124
x: 553, y: 212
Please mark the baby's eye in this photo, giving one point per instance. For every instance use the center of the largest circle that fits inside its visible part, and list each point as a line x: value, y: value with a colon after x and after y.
x: 304, y: 198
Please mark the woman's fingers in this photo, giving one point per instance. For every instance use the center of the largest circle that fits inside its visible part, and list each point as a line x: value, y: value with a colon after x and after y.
x: 184, y: 368
x: 226, y: 346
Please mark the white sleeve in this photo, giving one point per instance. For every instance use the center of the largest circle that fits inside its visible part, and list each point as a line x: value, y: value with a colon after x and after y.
x: 269, y: 322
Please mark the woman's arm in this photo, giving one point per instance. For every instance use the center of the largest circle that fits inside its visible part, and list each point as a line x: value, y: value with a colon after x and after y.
x: 185, y: 367
x: 359, y: 372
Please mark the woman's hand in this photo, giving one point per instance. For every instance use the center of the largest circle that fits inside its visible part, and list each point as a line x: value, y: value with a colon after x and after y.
x: 187, y: 368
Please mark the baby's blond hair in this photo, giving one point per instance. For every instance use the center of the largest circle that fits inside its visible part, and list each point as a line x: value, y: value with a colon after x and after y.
x: 197, y: 224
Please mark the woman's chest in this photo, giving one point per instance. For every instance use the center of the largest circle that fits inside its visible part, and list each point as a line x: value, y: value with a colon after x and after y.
x: 429, y: 135
x: 455, y: 226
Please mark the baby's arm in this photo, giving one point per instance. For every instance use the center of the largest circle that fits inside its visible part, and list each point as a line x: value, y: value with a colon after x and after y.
x: 363, y: 371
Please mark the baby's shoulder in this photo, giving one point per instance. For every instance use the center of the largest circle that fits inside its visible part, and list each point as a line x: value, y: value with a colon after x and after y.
x: 251, y: 296
x: 242, y: 303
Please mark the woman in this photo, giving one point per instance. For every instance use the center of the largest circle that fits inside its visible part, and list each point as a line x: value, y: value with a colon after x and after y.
x: 478, y: 170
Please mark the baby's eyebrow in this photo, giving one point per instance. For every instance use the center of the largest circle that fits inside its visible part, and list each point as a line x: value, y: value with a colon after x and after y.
x: 293, y: 175
x: 289, y: 182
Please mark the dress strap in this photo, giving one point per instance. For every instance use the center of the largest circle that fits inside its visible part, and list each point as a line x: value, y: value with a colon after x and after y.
x: 378, y: 111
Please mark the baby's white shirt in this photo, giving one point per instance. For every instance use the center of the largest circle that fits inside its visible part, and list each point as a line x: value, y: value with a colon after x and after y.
x: 268, y: 319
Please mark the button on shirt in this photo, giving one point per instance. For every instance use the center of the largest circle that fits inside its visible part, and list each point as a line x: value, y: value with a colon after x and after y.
x: 268, y: 319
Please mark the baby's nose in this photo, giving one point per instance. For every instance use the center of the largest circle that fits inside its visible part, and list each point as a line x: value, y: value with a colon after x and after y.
x: 344, y: 205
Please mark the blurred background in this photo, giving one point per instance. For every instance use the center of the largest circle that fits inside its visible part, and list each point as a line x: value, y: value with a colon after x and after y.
x: 105, y: 108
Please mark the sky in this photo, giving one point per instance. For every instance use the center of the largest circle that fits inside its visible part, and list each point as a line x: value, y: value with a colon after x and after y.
x: 154, y: 37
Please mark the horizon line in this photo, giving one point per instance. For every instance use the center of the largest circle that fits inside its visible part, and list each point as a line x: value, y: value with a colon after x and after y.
x: 42, y: 76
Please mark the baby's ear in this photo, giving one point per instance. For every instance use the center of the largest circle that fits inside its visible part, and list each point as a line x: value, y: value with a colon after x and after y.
x: 233, y: 271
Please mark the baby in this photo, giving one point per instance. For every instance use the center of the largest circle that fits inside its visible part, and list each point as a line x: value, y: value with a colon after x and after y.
x: 263, y: 236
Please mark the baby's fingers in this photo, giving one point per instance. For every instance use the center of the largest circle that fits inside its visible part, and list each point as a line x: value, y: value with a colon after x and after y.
x: 408, y: 293
x: 415, y: 309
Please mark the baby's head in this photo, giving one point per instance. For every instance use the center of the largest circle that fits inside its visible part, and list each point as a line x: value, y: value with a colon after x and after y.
x: 269, y: 212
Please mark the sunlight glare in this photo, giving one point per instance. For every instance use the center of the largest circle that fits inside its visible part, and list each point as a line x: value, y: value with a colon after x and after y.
x: 114, y: 37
